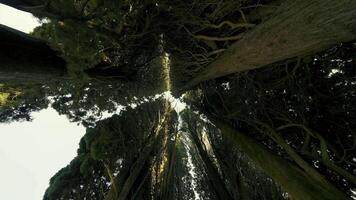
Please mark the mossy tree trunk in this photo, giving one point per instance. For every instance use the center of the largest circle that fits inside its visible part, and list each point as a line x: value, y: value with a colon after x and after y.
x: 298, y: 28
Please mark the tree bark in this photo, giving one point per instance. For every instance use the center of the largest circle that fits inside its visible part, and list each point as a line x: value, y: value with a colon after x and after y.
x: 293, y: 179
x: 27, y: 59
x: 165, y: 190
x: 121, y: 191
x: 228, y: 172
x: 216, y: 182
x: 298, y: 28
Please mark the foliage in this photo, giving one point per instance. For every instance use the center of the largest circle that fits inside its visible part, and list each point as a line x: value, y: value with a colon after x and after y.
x: 302, y: 109
x: 79, y: 45
x: 105, y: 151
x: 83, y: 101
x: 126, y: 36
x: 299, y: 109
x: 8, y: 95
x: 242, y: 178
x: 100, y: 36
x: 18, y: 101
x: 202, y: 30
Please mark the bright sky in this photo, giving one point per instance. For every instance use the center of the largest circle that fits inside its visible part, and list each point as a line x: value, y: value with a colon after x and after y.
x: 16, y: 19
x: 32, y: 152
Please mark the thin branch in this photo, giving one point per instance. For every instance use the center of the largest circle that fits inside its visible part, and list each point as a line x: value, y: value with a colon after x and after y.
x: 213, y: 38
x: 231, y: 24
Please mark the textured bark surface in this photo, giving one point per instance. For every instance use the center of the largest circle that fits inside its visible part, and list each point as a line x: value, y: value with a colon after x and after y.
x: 217, y: 184
x: 293, y: 179
x: 122, y: 188
x: 298, y: 28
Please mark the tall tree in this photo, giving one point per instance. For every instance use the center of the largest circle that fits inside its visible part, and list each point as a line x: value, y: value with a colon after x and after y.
x: 294, y: 119
x: 215, y: 182
x: 228, y: 172
x: 298, y: 28
x: 109, y: 154
x: 302, y: 111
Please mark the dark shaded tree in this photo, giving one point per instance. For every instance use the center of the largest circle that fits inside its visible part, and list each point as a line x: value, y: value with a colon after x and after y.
x: 302, y: 111
x: 106, y: 156
x: 293, y: 119
x: 226, y: 165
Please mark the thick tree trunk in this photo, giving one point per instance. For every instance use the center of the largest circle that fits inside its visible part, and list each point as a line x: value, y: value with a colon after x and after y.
x: 43, y: 8
x: 121, y: 192
x: 28, y: 60
x: 165, y: 190
x: 121, y: 188
x: 293, y: 179
x: 20, y: 4
x: 216, y: 182
x: 298, y: 28
x: 227, y: 170
x: 25, y: 59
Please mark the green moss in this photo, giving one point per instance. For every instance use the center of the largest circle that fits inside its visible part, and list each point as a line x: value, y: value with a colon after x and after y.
x: 9, y: 95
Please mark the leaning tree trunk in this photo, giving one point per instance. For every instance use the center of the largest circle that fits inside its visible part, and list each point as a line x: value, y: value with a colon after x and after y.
x: 298, y: 28
x: 28, y: 60
x: 216, y: 182
x: 25, y: 59
x: 120, y: 189
x: 45, y: 8
x: 21, y: 4
x: 294, y: 180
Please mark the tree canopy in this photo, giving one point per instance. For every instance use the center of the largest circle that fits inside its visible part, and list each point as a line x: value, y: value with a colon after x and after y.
x: 269, y: 89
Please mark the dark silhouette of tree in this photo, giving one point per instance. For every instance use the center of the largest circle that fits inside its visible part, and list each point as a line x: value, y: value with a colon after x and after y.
x: 260, y: 99
x: 302, y: 111
x: 229, y: 172
x: 107, y: 154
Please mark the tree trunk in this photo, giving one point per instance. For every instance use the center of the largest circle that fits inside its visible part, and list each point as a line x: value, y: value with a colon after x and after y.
x: 298, y: 28
x: 25, y: 59
x: 293, y: 179
x: 165, y: 190
x: 213, y: 175
x: 21, y: 4
x: 44, y: 8
x: 228, y: 172
x: 28, y: 60
x: 121, y: 191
